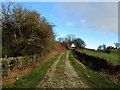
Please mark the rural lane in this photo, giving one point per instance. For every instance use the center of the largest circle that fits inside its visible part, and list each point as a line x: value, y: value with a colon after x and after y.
x: 61, y: 75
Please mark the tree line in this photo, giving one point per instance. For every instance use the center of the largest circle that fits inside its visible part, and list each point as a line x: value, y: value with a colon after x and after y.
x: 100, y: 47
x: 70, y: 39
x: 25, y: 32
x: 107, y: 49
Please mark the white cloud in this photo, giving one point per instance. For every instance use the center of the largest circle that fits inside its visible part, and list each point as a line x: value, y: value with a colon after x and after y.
x: 102, y: 16
x: 70, y: 23
x: 83, y: 21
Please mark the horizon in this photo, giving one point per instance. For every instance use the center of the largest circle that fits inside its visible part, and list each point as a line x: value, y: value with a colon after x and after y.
x: 95, y: 23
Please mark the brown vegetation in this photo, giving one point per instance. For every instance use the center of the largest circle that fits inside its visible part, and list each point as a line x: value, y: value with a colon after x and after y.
x: 11, y: 78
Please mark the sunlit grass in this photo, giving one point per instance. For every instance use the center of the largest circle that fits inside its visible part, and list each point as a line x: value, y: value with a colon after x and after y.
x: 110, y: 57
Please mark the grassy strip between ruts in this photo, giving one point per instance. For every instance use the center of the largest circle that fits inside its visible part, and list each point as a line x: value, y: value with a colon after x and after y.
x: 92, y: 78
x: 30, y: 80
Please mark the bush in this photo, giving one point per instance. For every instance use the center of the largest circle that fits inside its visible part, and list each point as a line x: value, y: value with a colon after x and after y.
x: 25, y: 32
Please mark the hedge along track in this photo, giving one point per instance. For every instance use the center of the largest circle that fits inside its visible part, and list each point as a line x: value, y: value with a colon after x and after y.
x: 97, y: 64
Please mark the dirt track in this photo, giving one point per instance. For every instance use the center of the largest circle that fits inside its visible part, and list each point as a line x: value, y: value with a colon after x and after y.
x: 61, y: 75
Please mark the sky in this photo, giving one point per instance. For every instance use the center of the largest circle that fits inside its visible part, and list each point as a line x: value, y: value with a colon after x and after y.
x: 94, y: 22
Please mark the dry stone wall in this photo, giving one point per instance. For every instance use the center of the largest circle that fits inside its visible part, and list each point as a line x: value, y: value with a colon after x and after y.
x: 18, y: 63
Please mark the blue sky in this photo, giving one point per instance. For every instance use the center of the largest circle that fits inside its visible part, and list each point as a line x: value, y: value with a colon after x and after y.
x: 95, y: 23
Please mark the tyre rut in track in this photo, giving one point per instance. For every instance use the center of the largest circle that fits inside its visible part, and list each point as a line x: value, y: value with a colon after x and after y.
x: 61, y: 75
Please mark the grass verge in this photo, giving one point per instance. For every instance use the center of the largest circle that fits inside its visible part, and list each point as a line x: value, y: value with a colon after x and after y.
x: 31, y: 79
x: 92, y: 78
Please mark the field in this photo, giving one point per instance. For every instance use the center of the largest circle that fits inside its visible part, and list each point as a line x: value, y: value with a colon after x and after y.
x: 92, y: 78
x: 112, y: 57
x: 41, y: 50
x: 87, y: 77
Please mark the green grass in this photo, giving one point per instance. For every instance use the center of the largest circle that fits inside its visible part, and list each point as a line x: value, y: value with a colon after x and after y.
x: 91, y: 78
x: 30, y: 80
x: 115, y: 51
x: 110, y: 57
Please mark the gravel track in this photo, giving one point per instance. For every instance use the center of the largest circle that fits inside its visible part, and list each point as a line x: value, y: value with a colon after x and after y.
x: 61, y: 75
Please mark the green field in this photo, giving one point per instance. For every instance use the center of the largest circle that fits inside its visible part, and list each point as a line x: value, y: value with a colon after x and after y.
x: 110, y: 57
x: 92, y: 78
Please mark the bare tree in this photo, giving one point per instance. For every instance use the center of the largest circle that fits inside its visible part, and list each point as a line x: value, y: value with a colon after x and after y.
x: 69, y: 39
x: 60, y: 39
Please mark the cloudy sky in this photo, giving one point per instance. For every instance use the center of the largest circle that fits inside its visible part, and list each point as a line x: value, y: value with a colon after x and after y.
x: 99, y: 16
x: 95, y: 22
